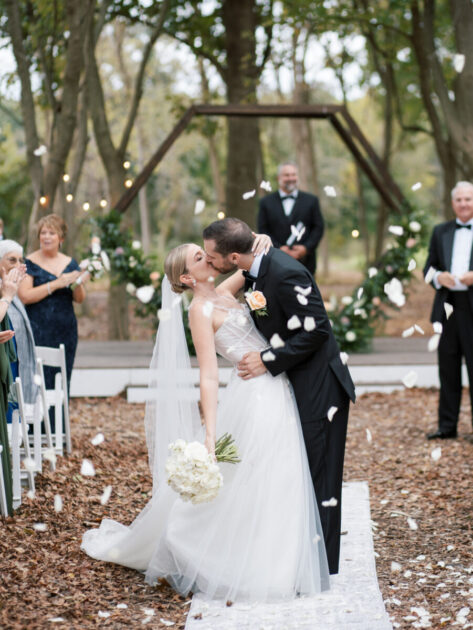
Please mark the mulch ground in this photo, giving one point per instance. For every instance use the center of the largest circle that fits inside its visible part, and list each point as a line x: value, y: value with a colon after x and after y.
x: 425, y: 574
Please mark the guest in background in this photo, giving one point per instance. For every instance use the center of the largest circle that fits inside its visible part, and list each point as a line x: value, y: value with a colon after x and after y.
x: 11, y: 257
x: 292, y: 218
x: 9, y: 288
x: 47, y: 294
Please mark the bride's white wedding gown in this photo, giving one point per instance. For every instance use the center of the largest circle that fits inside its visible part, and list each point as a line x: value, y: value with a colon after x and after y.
x: 261, y: 537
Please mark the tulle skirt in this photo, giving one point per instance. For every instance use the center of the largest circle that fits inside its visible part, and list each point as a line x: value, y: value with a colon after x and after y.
x: 261, y: 538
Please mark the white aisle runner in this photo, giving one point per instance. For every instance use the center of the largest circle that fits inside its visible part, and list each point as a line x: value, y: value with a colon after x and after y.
x: 354, y: 601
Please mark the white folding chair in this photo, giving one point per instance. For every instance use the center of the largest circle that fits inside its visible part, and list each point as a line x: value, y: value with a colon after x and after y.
x: 57, y: 397
x: 17, y: 449
x: 3, y: 492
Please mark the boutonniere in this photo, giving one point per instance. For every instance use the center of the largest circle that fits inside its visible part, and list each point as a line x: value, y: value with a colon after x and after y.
x: 257, y: 302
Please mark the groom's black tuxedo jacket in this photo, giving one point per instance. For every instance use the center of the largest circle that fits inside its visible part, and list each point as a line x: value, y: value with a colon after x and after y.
x: 273, y: 221
x: 440, y: 258
x: 311, y: 359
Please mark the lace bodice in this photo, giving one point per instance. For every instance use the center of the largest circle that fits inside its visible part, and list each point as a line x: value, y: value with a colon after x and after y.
x: 238, y: 335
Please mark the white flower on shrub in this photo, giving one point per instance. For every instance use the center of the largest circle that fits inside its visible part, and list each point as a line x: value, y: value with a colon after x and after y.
x: 144, y: 294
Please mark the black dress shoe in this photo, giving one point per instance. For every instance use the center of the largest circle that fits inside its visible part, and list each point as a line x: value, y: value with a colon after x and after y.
x: 441, y: 435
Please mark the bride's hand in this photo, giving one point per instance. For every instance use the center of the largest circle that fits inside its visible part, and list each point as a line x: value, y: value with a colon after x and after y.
x: 261, y: 244
x: 210, y: 445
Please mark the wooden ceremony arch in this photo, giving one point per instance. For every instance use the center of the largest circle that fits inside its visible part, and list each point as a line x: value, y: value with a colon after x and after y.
x: 338, y: 116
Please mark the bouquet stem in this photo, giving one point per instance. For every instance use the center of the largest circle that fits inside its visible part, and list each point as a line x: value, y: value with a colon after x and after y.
x: 226, y: 450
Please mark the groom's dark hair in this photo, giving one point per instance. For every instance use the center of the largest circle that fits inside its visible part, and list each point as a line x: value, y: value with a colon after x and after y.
x: 230, y: 235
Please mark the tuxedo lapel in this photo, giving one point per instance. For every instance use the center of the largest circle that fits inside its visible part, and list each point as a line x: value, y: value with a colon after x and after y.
x: 447, y: 244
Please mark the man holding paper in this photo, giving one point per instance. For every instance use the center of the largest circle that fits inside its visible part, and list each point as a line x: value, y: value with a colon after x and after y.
x: 292, y: 218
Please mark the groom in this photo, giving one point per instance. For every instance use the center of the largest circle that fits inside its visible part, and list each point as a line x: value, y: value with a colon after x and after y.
x: 308, y: 353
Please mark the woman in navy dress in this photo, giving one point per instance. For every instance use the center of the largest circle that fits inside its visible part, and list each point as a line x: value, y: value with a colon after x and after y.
x: 47, y: 294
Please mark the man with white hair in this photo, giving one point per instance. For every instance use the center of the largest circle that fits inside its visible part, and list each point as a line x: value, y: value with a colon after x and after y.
x: 292, y: 218
x: 451, y: 259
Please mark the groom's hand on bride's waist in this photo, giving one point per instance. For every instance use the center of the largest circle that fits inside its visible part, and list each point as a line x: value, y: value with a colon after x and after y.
x: 250, y: 366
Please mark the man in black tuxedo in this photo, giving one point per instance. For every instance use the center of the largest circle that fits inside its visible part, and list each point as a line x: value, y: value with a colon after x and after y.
x: 451, y: 259
x: 292, y: 218
x: 310, y: 356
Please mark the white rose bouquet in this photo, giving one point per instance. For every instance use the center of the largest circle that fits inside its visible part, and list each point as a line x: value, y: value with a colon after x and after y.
x: 192, y: 472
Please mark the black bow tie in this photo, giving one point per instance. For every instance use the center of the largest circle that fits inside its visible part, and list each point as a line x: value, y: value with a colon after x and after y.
x: 458, y: 226
x: 249, y: 277
x: 288, y: 197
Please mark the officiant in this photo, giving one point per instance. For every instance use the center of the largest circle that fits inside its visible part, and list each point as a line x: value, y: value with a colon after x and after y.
x: 292, y: 218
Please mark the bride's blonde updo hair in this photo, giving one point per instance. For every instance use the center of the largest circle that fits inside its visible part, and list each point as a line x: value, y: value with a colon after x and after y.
x: 175, y: 265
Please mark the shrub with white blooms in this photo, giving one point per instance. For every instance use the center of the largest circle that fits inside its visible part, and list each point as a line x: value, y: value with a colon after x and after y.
x: 192, y: 472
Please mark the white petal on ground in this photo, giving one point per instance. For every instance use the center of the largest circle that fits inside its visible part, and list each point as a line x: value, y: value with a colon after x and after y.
x: 437, y: 326
x: 56, y: 619
x: 50, y: 455
x: 144, y: 294
x: 57, y: 503
x: 29, y: 464
x: 302, y: 299
x: 408, y: 332
x: 419, y: 329
x: 103, y: 614
x: 412, y: 523
x: 369, y: 437
x: 433, y: 343
x: 372, y: 271
x: 268, y: 356
x: 416, y: 186
x: 303, y: 290
x: 410, y: 379
x: 122, y: 606
x: 164, y: 314
x: 30, y: 494
x: 148, y: 611
x: 359, y: 293
x: 331, y: 412
x: 330, y: 503
x: 276, y: 341
x: 344, y: 357
x: 458, y: 62
x: 249, y: 194
x: 166, y: 622
x: 436, y: 454
x: 412, y: 265
x: 330, y: 191
x: 448, y: 309
x: 199, y: 206
x: 309, y: 323
x: 98, y: 439
x: 397, y: 230
x: 106, y: 495
x: 87, y: 469
x: 395, y: 567
x: 40, y: 527
x: 294, y: 322
x: 429, y: 276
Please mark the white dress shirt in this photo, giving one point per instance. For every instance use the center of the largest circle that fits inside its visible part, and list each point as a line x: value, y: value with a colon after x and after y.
x: 288, y: 204
x: 256, y: 264
x: 461, y: 254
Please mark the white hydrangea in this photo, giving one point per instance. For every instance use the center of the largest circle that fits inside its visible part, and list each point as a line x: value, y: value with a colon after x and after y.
x: 192, y: 472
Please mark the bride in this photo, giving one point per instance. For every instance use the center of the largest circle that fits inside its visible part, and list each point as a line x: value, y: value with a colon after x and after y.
x: 261, y: 538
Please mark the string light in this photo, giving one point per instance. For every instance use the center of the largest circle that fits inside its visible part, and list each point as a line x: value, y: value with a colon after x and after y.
x: 66, y: 177
x: 69, y: 197
x: 128, y: 183
x: 103, y: 203
x: 126, y: 164
x: 43, y: 200
x: 86, y: 206
x: 220, y: 215
x: 355, y: 233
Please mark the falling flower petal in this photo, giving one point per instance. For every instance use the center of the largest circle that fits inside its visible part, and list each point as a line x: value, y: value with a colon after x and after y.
x: 330, y: 503
x: 136, y: 245
x: 412, y: 265
x: 416, y: 186
x: 49, y: 454
x: 130, y: 288
x: 87, y: 469
x: 164, y: 314
x: 276, y: 341
x: 372, y: 271
x: 429, y: 276
x: 448, y: 309
x: 31, y: 494
x: 249, y: 194
x: 302, y: 299
x: 344, y: 357
x: 350, y: 336
x: 41, y: 150
x: 98, y: 439
x: 458, y: 62
x: 210, y: 279
x: 265, y: 186
x: 419, y: 329
x: 106, y: 495
x: 37, y: 379
x: 415, y: 226
x: 433, y: 343
x: 408, y: 332
x: 410, y: 379
x: 398, y: 230
x: 298, y: 233
x: 207, y: 309
x: 436, y: 454
x: 412, y: 523
x: 303, y: 290
x: 40, y: 527
x: 331, y: 412
x: 29, y: 464
x: 309, y: 323
x: 57, y: 503
x: 294, y: 322
x: 330, y: 191
x: 144, y: 294
x: 268, y: 356
x: 437, y: 326
x: 316, y: 539
x: 359, y: 293
x: 199, y: 206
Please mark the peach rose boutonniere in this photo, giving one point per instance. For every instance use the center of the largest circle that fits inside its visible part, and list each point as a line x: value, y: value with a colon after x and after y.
x: 257, y: 302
